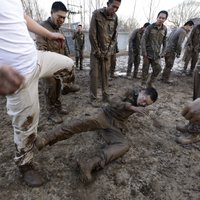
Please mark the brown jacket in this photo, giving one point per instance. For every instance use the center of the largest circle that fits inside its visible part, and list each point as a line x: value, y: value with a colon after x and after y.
x: 52, y: 45
x: 102, y: 32
x: 175, y: 40
x: 152, y: 41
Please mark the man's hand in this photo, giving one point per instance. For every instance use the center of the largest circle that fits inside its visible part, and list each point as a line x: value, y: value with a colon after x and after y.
x: 56, y: 36
x: 192, y: 111
x: 140, y: 110
x: 10, y: 80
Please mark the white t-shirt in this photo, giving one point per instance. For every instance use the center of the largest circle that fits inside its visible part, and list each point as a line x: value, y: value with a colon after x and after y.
x: 17, y: 48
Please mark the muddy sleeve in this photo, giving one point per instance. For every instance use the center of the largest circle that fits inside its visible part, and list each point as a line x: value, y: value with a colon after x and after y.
x: 180, y: 42
x: 93, y: 34
x: 41, y: 43
x: 67, y: 51
x: 144, y: 40
x: 133, y: 35
x: 120, y: 99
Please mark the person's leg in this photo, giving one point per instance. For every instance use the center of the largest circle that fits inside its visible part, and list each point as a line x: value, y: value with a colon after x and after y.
x: 23, y: 107
x: 67, y: 130
x: 136, y: 64
x: 145, y: 70
x: 81, y: 59
x: 130, y: 63
x: 156, y: 67
x: 113, y: 65
x: 52, y: 88
x: 105, y: 70
x: 169, y: 62
x: 117, y: 146
x: 94, y: 73
x: 195, y: 56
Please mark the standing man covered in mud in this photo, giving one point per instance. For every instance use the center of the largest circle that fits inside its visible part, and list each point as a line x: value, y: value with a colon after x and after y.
x: 102, y: 36
x: 61, y: 82
x: 174, y: 47
x: 192, y: 49
x: 110, y: 121
x: 153, y: 39
x: 79, y: 41
x: 17, y: 50
x: 134, y: 49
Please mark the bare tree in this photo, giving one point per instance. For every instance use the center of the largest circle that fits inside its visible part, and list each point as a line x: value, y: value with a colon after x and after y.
x: 151, y: 12
x: 183, y: 12
x: 32, y: 9
x: 127, y: 25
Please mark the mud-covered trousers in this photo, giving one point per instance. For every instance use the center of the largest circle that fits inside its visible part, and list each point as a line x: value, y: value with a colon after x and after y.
x: 23, y: 106
x: 190, y: 55
x: 117, y: 144
x: 113, y: 61
x: 133, y: 58
x: 169, y: 62
x: 99, y: 70
x: 196, y: 87
x: 156, y: 67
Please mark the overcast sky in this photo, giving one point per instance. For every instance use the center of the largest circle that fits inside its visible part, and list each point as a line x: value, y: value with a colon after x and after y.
x: 126, y: 9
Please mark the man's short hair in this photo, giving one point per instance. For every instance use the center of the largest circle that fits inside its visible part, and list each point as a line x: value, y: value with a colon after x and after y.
x: 189, y: 23
x: 146, y: 24
x: 58, y: 6
x: 152, y: 93
x: 111, y: 1
x: 163, y: 12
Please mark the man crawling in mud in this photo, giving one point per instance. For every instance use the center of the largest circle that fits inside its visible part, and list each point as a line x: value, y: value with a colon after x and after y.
x: 110, y: 122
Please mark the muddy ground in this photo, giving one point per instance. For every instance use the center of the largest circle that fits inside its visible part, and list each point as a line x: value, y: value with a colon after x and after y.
x: 156, y: 167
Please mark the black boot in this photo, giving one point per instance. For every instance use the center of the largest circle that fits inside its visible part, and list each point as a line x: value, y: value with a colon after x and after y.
x: 81, y: 64
x: 86, y: 167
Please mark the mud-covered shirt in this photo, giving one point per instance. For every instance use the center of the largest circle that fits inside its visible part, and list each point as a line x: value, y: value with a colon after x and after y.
x: 175, y: 40
x: 194, y: 39
x: 118, y: 107
x: 135, y: 40
x: 79, y: 40
x: 45, y: 44
x: 153, y: 39
x: 102, y: 32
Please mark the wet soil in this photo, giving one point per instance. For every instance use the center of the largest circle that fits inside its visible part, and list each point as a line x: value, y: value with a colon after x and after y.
x: 155, y: 167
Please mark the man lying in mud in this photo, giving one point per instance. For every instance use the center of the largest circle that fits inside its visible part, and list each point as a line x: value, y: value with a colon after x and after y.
x: 110, y: 122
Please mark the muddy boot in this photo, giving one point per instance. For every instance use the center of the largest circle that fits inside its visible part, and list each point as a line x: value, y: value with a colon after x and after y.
x: 189, y: 138
x: 106, y: 98
x: 182, y: 128
x: 86, y: 167
x: 189, y: 128
x: 70, y: 88
x: 62, y: 111
x: 30, y: 176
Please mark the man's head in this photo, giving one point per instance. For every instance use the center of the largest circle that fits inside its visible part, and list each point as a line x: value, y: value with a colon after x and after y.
x: 161, y: 17
x: 112, y: 7
x: 58, y: 13
x: 189, y: 25
x: 79, y: 28
x: 147, y: 96
x: 145, y: 25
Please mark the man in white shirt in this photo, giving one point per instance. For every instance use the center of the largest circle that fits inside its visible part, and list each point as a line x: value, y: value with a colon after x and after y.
x: 18, y: 50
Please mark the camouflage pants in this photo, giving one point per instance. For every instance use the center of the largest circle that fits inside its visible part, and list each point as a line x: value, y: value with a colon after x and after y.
x: 99, y: 70
x: 169, y: 62
x: 53, y: 85
x: 23, y: 106
x: 113, y: 64
x: 192, y: 56
x: 156, y: 67
x: 133, y: 58
x: 117, y: 144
